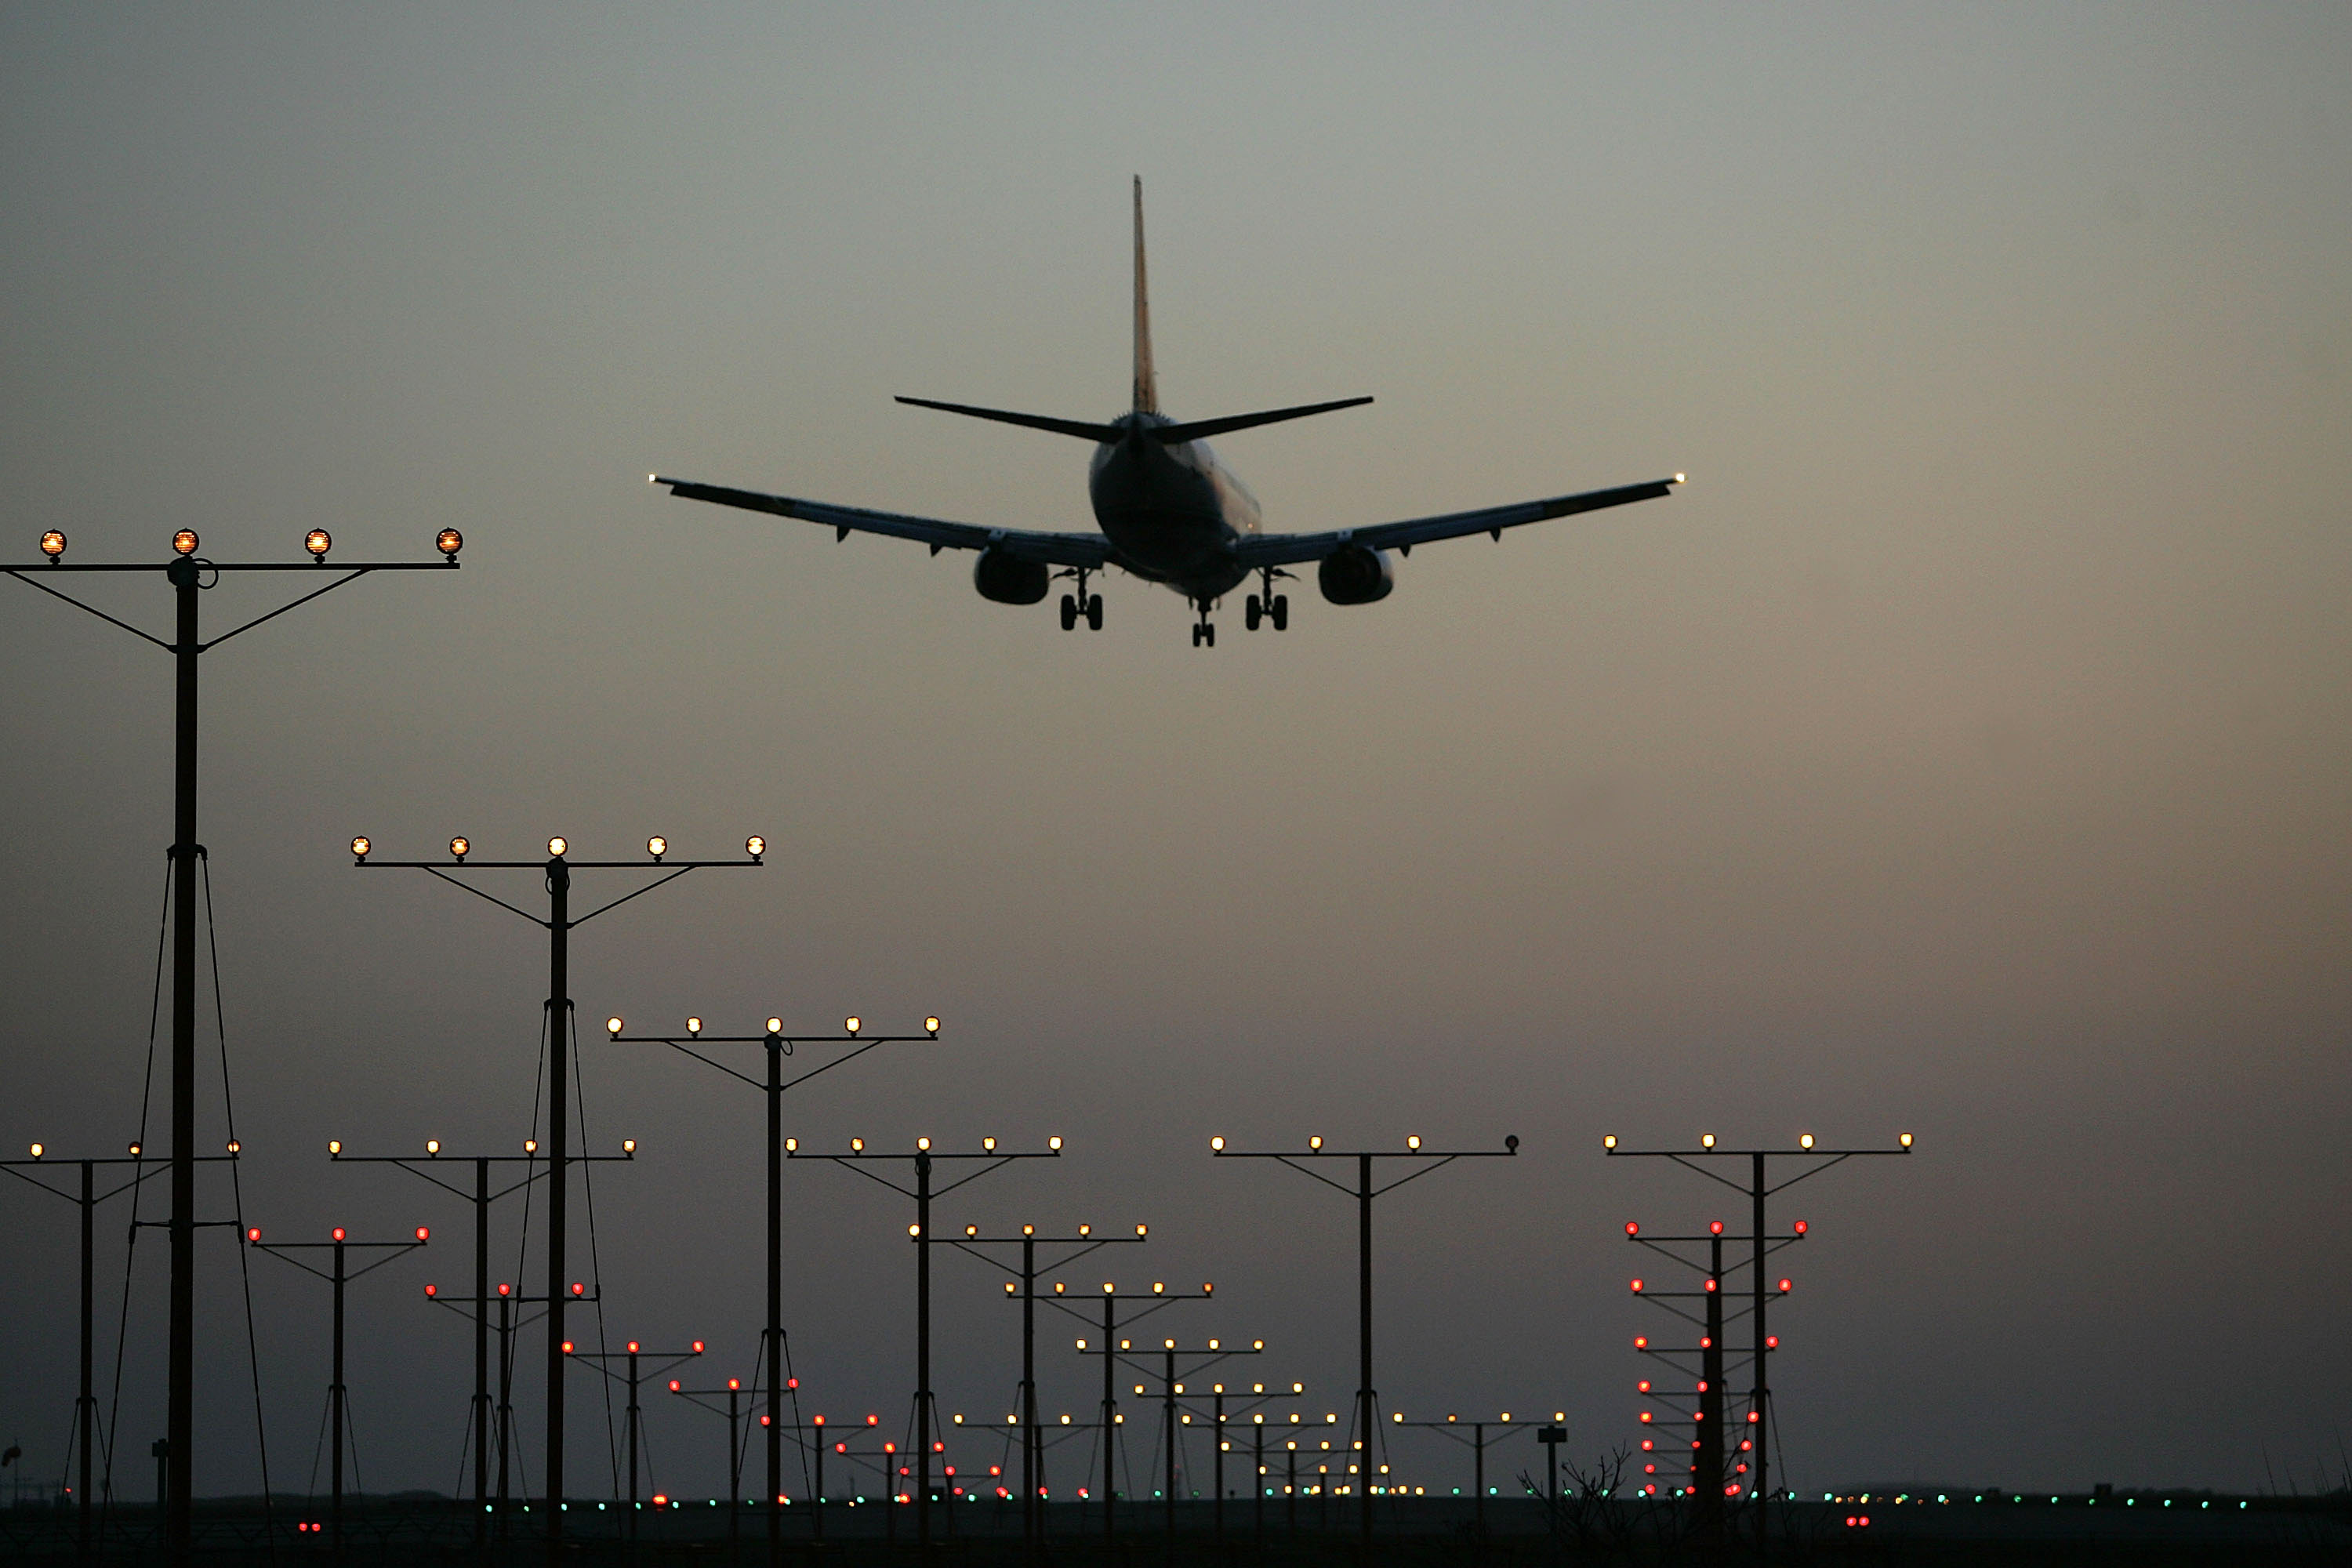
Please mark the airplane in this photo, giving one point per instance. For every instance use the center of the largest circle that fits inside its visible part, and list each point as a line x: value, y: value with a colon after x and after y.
x: 1169, y: 511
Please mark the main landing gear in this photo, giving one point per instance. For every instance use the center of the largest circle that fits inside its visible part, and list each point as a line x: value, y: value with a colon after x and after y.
x: 1081, y: 604
x: 1268, y: 606
x: 1204, y: 632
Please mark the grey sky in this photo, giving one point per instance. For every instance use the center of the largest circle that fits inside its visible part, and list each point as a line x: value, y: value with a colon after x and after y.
x: 1965, y: 750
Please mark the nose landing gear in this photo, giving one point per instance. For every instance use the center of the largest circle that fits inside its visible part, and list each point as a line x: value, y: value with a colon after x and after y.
x: 1204, y: 632
x: 1081, y: 604
x: 1268, y: 606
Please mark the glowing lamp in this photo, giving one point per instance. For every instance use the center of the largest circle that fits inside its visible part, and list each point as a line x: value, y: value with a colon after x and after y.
x: 632, y: 1347
x: 530, y: 1145
x: 432, y: 1290
x: 1706, y: 1140
x: 334, y: 1146
x: 432, y: 1145
x: 184, y: 541
x: 1608, y: 1141
x: 791, y: 1145
x: 857, y: 1145
x: 1316, y: 1141
x: 1801, y: 1227
x: 254, y: 1234
x: 1637, y: 1285
x: 613, y: 1025
x: 1784, y: 1286
x: 1207, y: 1289
x: 988, y: 1144
x: 850, y: 1023
x: 1142, y: 1229
x: 448, y: 542
x: 36, y: 1151
x: 971, y: 1230
x: 578, y: 1288
x: 1055, y: 1143
x: 1771, y: 1342
x: 1905, y: 1138
x: 1218, y: 1143
x: 53, y: 543
x: 914, y: 1230
x: 317, y: 542
x: 930, y: 1026
x: 235, y: 1147
x: 422, y: 1234
x: 775, y: 1026
x: 1804, y: 1139
x: 1412, y: 1140
x: 338, y: 1233
x: 694, y: 1025
x: 458, y: 848
x: 1008, y: 1287
x: 1632, y: 1228
x: 505, y: 1289
x: 558, y: 845
x: 628, y: 1145
x: 359, y: 848
x: 657, y: 847
x: 755, y: 846
x: 923, y: 1144
x: 567, y: 1347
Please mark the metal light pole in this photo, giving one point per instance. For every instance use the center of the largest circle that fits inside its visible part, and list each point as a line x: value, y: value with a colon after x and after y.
x: 187, y: 572
x: 990, y: 1158
x: 1757, y: 1189
x: 633, y: 1357
x: 86, y: 1198
x: 481, y: 1196
x: 1364, y: 1191
x: 558, y: 925
x: 1111, y: 1349
x: 338, y: 1275
x: 1032, y: 1437
x: 777, y: 1046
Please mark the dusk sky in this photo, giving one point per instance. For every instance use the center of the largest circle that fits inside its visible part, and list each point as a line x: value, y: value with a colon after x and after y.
x: 1967, y: 750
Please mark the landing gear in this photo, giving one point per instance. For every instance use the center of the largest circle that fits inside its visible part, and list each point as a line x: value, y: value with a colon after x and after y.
x: 1268, y: 606
x: 1081, y: 604
x: 1204, y: 632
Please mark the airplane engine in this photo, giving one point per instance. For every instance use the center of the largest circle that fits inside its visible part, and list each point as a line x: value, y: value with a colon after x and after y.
x: 1008, y: 579
x: 1356, y: 574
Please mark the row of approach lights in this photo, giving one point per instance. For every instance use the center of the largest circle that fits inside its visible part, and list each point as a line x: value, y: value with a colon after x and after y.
x: 317, y: 542
x: 432, y: 1147
x: 136, y: 1149
x: 424, y: 1235
x: 853, y: 1024
x: 657, y: 847
x: 1706, y: 1140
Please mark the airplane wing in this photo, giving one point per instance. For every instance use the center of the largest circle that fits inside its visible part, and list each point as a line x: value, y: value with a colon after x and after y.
x: 1089, y: 549
x: 1258, y: 550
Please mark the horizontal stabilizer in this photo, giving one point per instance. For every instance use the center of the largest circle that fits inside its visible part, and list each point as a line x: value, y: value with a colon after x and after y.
x: 1202, y: 429
x: 1083, y: 431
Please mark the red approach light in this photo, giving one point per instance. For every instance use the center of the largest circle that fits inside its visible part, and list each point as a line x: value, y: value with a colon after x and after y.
x: 1744, y: 1446
x: 735, y: 1383
x: 505, y: 1289
x: 697, y: 1350
x: 1731, y: 1491
x: 1642, y: 1386
x: 874, y: 1421
x: 1645, y: 1416
x: 578, y: 1288
x: 1647, y: 1445
x: 1715, y: 1228
x: 1637, y: 1285
x: 1641, y: 1341
x: 661, y: 1500
x: 950, y: 1471
x: 763, y: 1421
x: 567, y: 1347
x: 1702, y: 1385
x: 1632, y: 1229
x: 1752, y: 1419
x: 673, y: 1386
x: 432, y: 1290
x: 1784, y: 1286
x: 789, y: 1383
x: 890, y: 1448
x: 841, y: 1448
x: 422, y: 1234
x: 1771, y: 1342
x: 939, y: 1448
x: 1706, y: 1343
x: 1711, y: 1285
x: 996, y: 1469
x: 1801, y: 1227
x: 338, y: 1233
x: 632, y: 1347
x: 252, y: 1235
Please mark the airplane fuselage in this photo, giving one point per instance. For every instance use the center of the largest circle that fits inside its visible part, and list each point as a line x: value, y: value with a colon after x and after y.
x: 1172, y: 512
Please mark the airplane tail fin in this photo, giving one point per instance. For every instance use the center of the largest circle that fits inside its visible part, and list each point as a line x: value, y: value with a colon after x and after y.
x: 1147, y: 385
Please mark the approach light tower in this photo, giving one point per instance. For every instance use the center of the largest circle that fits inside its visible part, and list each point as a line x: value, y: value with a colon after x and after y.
x: 190, y: 574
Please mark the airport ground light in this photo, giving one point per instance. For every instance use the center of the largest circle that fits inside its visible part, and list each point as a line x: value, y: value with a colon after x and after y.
x: 189, y: 575
x: 1811, y: 1159
x: 1304, y: 1160
x: 339, y: 1274
x: 923, y: 1160
x: 557, y: 871
x: 853, y: 1041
